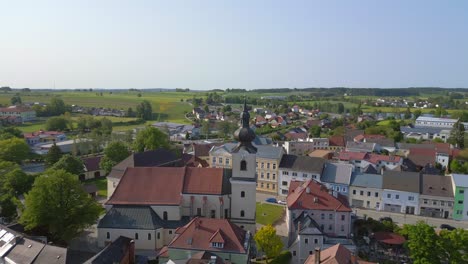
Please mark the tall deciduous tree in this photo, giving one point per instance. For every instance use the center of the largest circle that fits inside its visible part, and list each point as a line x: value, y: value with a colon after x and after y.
x: 69, y: 164
x: 13, y: 182
x: 144, y: 110
x: 315, y: 131
x: 114, y: 153
x: 422, y: 243
x: 150, y: 138
x: 13, y: 149
x: 268, y: 242
x: 457, y: 135
x: 59, y: 123
x: 16, y: 99
x: 58, y: 203
x: 53, y: 155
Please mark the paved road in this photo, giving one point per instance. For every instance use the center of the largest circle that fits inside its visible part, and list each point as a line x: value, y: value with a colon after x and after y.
x: 410, y: 219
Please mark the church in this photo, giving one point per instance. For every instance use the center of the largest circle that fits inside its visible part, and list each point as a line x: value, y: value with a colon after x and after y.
x: 151, y: 204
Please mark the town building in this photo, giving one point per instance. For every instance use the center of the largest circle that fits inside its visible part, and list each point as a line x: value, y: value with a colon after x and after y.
x: 352, y: 146
x: 436, y: 199
x: 401, y: 192
x: 26, y: 114
x: 92, y: 168
x: 337, y: 177
x: 293, y: 168
x: 41, y: 136
x: 221, y: 239
x: 460, y: 190
x: 153, y: 158
x: 425, y: 121
x: 338, y: 254
x: 305, y: 147
x: 314, y: 214
x: 366, y: 190
x: 121, y: 250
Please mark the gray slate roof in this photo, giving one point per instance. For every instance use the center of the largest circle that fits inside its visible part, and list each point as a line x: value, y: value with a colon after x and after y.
x: 402, y: 181
x: 360, y: 146
x: 136, y: 217
x: 422, y: 130
x: 460, y: 180
x: 337, y: 173
x: 437, y: 185
x: 367, y: 180
x: 263, y: 151
x: 302, y: 163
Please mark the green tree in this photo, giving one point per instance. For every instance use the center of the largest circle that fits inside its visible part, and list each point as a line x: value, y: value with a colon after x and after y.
x: 58, y: 203
x: 58, y: 123
x: 53, y: 155
x: 114, y: 153
x: 314, y: 131
x: 457, y: 135
x: 225, y: 128
x: 268, y: 242
x: 13, y: 182
x: 206, y: 109
x: 454, y: 246
x: 70, y: 164
x: 16, y: 99
x: 417, y: 113
x: 106, y: 126
x: 144, y: 110
x: 150, y: 138
x: 341, y: 108
x: 407, y: 113
x: 13, y: 149
x: 10, y: 132
x: 56, y: 107
x: 423, y: 243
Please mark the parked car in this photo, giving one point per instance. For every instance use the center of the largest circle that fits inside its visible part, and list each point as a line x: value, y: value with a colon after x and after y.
x: 448, y: 227
x: 271, y: 200
x: 386, y: 218
x: 282, y: 202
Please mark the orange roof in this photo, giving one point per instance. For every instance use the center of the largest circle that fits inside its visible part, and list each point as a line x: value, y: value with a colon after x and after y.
x: 336, y: 141
x: 199, y: 233
x: 389, y: 238
x: 337, y: 254
x: 347, y: 155
x: 375, y: 158
x: 164, y: 185
x: 318, y: 199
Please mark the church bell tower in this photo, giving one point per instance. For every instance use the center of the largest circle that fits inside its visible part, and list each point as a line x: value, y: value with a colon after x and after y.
x: 243, y: 180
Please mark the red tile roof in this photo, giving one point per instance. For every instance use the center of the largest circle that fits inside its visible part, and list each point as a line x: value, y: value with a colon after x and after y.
x: 375, y: 158
x: 15, y: 109
x: 203, y: 180
x: 164, y: 185
x: 389, y: 238
x: 368, y: 136
x: 200, y: 232
x: 337, y: 254
x: 336, y: 141
x: 149, y: 186
x: 421, y: 156
x: 317, y: 199
x: 92, y: 163
x: 346, y: 155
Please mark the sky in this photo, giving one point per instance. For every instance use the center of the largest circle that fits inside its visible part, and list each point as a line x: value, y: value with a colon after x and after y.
x: 233, y: 44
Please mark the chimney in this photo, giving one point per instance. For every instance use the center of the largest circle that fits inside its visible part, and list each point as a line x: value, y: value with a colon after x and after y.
x: 131, y: 252
x: 308, y: 190
x: 317, y: 255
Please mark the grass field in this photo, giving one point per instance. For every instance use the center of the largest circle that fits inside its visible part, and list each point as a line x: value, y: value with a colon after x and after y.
x: 268, y: 214
x: 101, y: 184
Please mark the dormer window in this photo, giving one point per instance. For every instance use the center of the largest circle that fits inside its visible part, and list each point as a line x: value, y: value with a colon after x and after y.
x: 243, y: 165
x: 217, y: 245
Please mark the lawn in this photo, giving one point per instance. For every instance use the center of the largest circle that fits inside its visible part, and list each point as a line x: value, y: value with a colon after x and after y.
x: 268, y: 214
x: 101, y: 184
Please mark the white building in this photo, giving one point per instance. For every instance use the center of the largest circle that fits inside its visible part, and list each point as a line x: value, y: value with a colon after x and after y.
x: 424, y: 121
x: 337, y: 177
x: 298, y: 168
x: 401, y: 191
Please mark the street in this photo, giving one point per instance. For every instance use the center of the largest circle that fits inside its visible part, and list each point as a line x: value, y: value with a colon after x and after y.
x: 409, y: 219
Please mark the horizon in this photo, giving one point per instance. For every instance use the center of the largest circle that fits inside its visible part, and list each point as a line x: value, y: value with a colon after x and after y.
x: 247, y: 45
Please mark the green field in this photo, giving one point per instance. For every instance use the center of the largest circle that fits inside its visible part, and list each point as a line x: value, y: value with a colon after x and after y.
x: 269, y: 214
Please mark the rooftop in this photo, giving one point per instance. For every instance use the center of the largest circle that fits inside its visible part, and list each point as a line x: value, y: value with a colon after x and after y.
x: 200, y: 233
x: 367, y: 180
x: 311, y: 195
x: 302, y: 163
x: 337, y: 173
x: 460, y: 180
x: 437, y: 185
x: 401, y: 181
x: 338, y: 254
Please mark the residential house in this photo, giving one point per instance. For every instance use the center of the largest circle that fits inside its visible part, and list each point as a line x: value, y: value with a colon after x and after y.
x: 18, y: 248
x: 150, y: 216
x: 362, y: 161
x: 401, y: 191
x: 360, y: 146
x: 460, y: 190
x: 337, y: 177
x: 338, y: 254
x: 198, y: 112
x: 365, y: 190
x: 305, y: 147
x: 324, y: 213
x: 92, y: 168
x: 41, y: 136
x: 436, y: 199
x: 10, y: 120
x: 26, y: 114
x: 223, y: 240
x: 177, y: 131
x: 336, y: 143
x: 295, y: 109
x: 294, y: 167
x: 153, y: 158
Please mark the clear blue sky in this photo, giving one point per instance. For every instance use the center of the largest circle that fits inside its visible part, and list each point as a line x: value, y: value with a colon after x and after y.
x: 243, y: 44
